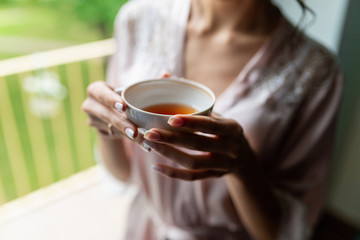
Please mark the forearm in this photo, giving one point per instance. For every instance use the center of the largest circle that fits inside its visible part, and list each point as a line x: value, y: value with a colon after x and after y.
x: 256, y: 205
x: 114, y: 157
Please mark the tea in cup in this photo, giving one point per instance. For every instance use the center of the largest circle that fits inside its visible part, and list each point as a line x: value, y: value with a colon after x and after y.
x: 150, y: 103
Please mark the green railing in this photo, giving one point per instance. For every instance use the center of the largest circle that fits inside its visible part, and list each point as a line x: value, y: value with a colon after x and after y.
x: 43, y: 132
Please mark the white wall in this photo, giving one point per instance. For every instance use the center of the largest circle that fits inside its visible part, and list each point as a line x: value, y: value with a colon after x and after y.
x: 330, y: 15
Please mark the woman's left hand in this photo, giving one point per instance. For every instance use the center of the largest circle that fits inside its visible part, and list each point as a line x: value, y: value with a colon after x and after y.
x: 220, y: 145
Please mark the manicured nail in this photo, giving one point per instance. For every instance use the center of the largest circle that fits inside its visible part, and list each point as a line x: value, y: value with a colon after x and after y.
x: 152, y: 135
x: 157, y: 168
x: 175, y: 121
x: 129, y: 132
x: 119, y: 106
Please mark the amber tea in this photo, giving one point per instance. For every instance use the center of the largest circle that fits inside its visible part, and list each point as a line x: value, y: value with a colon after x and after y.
x: 170, y: 109
x: 150, y: 103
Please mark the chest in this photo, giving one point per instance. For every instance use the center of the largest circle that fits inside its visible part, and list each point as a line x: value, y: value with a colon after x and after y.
x: 216, y: 61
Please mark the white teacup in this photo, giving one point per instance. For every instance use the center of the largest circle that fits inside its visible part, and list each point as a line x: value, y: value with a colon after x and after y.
x: 141, y: 95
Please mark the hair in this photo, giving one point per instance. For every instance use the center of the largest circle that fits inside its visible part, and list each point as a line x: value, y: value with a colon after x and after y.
x: 305, y: 9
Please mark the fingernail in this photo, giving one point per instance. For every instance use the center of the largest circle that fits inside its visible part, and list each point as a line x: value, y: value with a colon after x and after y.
x: 152, y: 135
x: 157, y: 168
x: 129, y: 132
x: 175, y: 121
x: 119, y: 106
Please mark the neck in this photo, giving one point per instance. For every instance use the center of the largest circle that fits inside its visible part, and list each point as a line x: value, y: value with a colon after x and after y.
x: 245, y: 16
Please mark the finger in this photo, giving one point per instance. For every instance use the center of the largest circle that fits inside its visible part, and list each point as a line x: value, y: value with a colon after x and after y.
x: 190, y: 140
x: 206, y: 124
x: 103, y: 126
x: 106, y: 115
x: 116, y: 133
x: 187, y: 175
x: 215, y: 115
x: 97, y: 123
x: 100, y: 127
x: 104, y: 94
x: 192, y: 160
x: 96, y: 109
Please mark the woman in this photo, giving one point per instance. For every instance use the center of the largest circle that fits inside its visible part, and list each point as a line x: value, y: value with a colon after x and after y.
x: 262, y: 171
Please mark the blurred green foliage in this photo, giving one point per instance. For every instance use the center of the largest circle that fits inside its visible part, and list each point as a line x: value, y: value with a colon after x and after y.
x: 97, y: 13
x: 33, y: 28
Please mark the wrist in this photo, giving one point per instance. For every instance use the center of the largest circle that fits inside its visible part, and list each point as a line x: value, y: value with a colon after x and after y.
x: 248, y: 168
x: 245, y: 177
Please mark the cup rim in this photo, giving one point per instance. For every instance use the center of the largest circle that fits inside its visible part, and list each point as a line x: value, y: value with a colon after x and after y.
x: 181, y: 80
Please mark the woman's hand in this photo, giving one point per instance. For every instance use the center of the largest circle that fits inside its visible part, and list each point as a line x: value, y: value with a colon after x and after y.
x: 220, y: 147
x: 105, y: 109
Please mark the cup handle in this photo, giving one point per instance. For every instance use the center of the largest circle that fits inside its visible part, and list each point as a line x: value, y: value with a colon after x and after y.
x: 118, y: 90
x: 142, y: 131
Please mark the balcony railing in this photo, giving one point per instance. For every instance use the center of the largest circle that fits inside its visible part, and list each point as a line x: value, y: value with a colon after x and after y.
x: 43, y: 133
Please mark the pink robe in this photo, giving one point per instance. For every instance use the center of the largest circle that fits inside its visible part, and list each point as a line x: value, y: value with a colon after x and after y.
x: 286, y: 99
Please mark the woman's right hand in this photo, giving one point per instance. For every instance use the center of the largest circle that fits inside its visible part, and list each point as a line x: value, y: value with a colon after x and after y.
x: 105, y: 110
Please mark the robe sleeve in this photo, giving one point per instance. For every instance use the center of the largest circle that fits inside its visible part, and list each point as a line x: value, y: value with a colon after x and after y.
x: 302, y: 176
x: 116, y: 61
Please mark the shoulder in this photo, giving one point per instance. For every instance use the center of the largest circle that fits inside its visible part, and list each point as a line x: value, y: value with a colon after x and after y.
x: 317, y: 72
x: 304, y: 60
x: 146, y: 21
x: 318, y: 56
x: 313, y: 60
x: 321, y: 67
x: 137, y: 11
x: 296, y: 68
x: 146, y: 33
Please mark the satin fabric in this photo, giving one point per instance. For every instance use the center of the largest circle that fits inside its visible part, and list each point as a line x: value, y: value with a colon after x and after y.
x: 286, y: 99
